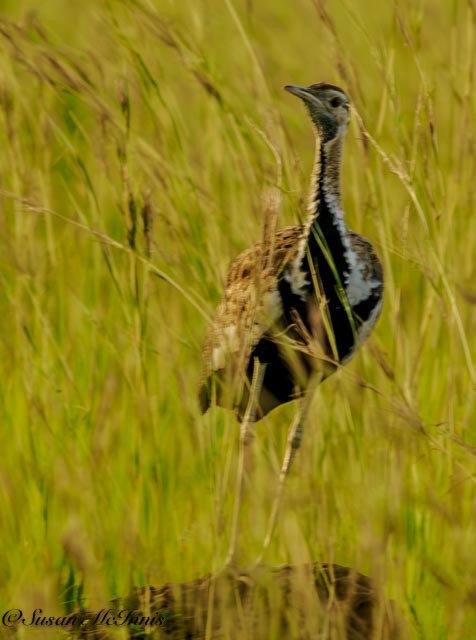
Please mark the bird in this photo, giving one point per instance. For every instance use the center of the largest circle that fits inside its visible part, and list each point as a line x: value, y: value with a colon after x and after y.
x: 297, y: 305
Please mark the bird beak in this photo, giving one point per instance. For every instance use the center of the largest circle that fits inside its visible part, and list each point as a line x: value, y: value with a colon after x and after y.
x: 304, y: 94
x: 296, y: 90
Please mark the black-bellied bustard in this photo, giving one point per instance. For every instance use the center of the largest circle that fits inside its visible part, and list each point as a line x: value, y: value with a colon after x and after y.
x: 296, y: 305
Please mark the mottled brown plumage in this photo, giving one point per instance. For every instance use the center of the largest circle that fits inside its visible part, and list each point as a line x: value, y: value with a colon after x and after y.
x: 245, y: 314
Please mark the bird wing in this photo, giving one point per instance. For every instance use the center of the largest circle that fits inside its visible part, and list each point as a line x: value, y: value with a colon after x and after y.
x: 251, y: 305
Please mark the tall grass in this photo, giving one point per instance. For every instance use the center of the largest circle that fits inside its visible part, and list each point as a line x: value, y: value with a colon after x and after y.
x: 137, y: 140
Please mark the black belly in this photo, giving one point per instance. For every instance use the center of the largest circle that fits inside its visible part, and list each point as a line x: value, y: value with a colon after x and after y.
x: 285, y: 380
x: 280, y: 382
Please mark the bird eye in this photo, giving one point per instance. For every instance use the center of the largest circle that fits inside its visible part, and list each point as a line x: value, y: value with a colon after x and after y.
x: 335, y: 102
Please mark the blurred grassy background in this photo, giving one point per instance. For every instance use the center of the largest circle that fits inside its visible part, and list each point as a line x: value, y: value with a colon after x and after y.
x: 137, y: 140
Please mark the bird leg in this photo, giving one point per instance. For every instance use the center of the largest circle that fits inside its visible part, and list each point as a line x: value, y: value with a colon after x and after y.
x: 246, y: 452
x: 292, y: 445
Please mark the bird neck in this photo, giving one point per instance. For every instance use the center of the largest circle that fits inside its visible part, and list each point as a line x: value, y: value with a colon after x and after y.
x: 325, y: 207
x: 326, y: 235
x: 325, y: 239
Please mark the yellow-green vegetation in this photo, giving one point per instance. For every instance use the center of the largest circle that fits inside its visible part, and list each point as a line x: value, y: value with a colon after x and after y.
x: 138, y: 139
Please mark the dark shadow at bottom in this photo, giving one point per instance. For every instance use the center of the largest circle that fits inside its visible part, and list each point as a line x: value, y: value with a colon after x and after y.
x: 318, y: 601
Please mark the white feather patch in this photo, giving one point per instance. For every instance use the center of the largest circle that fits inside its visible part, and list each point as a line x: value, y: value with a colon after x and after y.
x: 229, y: 345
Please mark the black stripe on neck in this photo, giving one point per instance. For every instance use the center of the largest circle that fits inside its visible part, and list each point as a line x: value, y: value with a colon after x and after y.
x: 325, y: 239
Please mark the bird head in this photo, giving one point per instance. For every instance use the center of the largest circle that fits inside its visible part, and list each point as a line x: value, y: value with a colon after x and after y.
x: 328, y: 107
